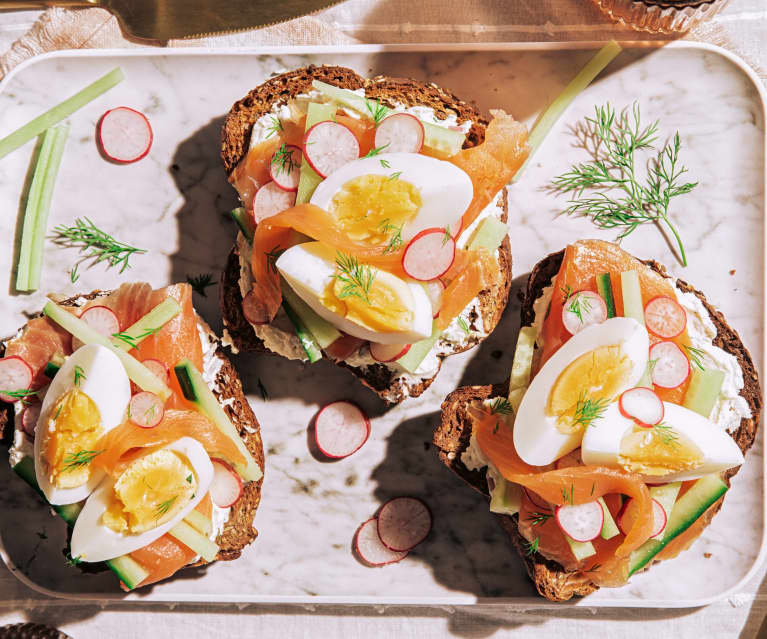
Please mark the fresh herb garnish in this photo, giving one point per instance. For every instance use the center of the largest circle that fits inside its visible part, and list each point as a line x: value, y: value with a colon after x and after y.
x: 588, y: 410
x: 395, y: 240
x: 385, y: 163
x: 271, y: 258
x: 463, y: 324
x: 72, y: 562
x: 79, y: 374
x: 568, y: 498
x: 73, y: 274
x: 275, y: 127
x: 133, y: 340
x: 164, y: 507
x: 58, y: 412
x: 395, y: 176
x: 651, y: 364
x: 189, y: 478
x: 531, y: 547
x: 695, y: 355
x: 74, y: 461
x: 501, y: 406
x: 101, y: 246
x: 375, y: 151
x: 447, y: 236
x: 377, y: 110
x: 200, y: 282
x: 594, y: 568
x: 283, y: 158
x: 262, y: 390
x: 21, y: 394
x: 578, y: 305
x: 539, y: 518
x: 357, y: 278
x: 618, y: 137
x: 666, y: 434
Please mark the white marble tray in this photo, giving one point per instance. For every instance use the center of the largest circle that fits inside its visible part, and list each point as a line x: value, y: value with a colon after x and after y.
x: 173, y: 204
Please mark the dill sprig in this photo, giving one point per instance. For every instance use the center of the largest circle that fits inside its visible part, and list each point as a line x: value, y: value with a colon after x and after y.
x: 666, y: 434
x: 576, y: 303
x: 133, y: 340
x: 73, y: 274
x: 262, y: 390
x: 538, y: 519
x: 463, y: 324
x: 274, y: 128
x: 394, y: 176
x: 501, y: 406
x: 375, y: 151
x: 74, y: 461
x: 569, y: 498
x: 101, y: 246
x: 447, y: 235
x: 377, y: 110
x: 21, y: 394
x: 384, y: 163
x: 357, y: 279
x: 200, y: 282
x: 588, y: 410
x: 594, y: 568
x: 283, y: 158
x: 695, y: 355
x: 79, y: 374
x: 618, y: 138
x: 164, y: 507
x: 271, y: 258
x: 531, y: 547
x: 395, y: 240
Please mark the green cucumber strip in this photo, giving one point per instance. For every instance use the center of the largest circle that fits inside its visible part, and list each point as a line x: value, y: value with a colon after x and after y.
x: 311, y: 348
x: 194, y: 540
x: 148, y: 325
x: 609, y: 527
x: 489, y: 234
x: 61, y: 111
x: 196, y: 391
x: 244, y: 221
x: 666, y: 496
x: 605, y: 289
x: 309, y: 179
x: 688, y: 508
x: 52, y: 367
x: 140, y: 374
x: 584, y: 77
x: 506, y: 497
x: 581, y: 549
x: 703, y: 391
x: 199, y: 521
x: 522, y: 365
x: 128, y: 570
x: 633, y: 307
x: 411, y: 360
x: 323, y: 331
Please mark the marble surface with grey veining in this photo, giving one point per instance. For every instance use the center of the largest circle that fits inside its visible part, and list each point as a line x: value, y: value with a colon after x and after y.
x: 174, y: 203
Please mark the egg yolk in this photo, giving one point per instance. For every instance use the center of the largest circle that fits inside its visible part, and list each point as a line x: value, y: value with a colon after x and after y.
x: 658, y: 450
x: 374, y: 208
x: 593, y: 378
x: 374, y: 299
x: 149, y: 492
x: 71, y: 434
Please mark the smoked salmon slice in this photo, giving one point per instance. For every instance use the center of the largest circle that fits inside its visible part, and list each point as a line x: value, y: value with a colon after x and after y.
x: 40, y: 340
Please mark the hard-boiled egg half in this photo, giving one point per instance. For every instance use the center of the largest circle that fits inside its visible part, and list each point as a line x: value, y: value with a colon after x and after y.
x: 591, y: 369
x: 87, y: 398
x: 685, y: 445
x: 154, y: 492
x: 379, y: 306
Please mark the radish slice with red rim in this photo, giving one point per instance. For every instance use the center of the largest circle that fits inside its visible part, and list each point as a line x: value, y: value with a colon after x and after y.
x: 101, y: 319
x: 270, y: 200
x: 226, y: 487
x: 158, y: 368
x: 146, y: 409
x: 659, y: 518
x: 399, y: 133
x: 434, y: 291
x: 371, y: 549
x: 29, y: 419
x: 125, y: 135
x: 429, y: 255
x: 403, y: 523
x: 582, y: 522
x: 285, y: 167
x: 664, y: 317
x: 340, y: 429
x: 15, y: 375
x: 629, y: 512
x: 255, y: 310
x: 641, y: 404
x: 328, y: 146
x: 536, y: 499
x: 388, y: 352
x: 671, y: 366
x: 583, y: 309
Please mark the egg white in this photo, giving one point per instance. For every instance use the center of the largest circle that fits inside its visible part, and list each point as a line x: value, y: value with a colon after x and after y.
x: 105, y: 381
x: 92, y: 541
x: 536, y: 437
x: 446, y: 191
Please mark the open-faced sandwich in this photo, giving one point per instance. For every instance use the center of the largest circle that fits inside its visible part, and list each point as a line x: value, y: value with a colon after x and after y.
x: 373, y: 223
x: 124, y: 413
x: 630, y: 406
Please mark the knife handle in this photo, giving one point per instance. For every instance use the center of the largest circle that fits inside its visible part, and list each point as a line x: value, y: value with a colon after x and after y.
x: 41, y: 4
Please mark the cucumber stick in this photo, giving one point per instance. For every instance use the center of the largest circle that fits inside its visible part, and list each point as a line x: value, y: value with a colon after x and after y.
x: 609, y: 527
x: 199, y: 521
x: 245, y: 222
x: 581, y: 549
x: 52, y: 367
x: 193, y: 539
x: 506, y: 497
x: 411, y: 360
x: 605, y: 289
x: 703, y: 391
x: 323, y: 331
x: 148, y: 325
x: 309, y: 179
x: 521, y: 367
x: 311, y: 348
x: 489, y: 234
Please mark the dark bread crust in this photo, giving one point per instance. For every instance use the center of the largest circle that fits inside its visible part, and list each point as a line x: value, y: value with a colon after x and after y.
x: 452, y: 435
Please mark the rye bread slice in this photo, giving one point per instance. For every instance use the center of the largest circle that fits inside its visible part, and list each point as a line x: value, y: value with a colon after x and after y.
x: 235, y: 141
x: 452, y: 435
x: 238, y: 531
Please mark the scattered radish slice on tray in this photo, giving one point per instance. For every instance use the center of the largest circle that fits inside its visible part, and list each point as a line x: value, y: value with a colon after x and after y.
x: 29, y: 419
x: 582, y: 522
x: 536, y: 500
x: 664, y: 317
x: 341, y: 428
x: 146, y: 409
x: 371, y: 549
x: 254, y: 309
x: 388, y: 352
x: 15, y: 375
x: 285, y: 167
x: 403, y: 523
x: 100, y: 318
x: 429, y: 255
x: 125, y: 135
x: 400, y: 133
x: 328, y: 146
x: 583, y: 309
x: 270, y: 199
x: 226, y: 487
x: 641, y: 404
x: 434, y: 291
x: 671, y: 367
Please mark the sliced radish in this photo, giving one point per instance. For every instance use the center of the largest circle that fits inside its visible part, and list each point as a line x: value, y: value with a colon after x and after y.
x: 429, y: 255
x: 146, y: 409
x: 29, y: 419
x: 403, y: 523
x: 15, y: 375
x: 630, y: 511
x: 270, y: 199
x: 285, y: 167
x: 328, y: 146
x: 642, y: 404
x: 125, y: 135
x: 671, y: 366
x: 400, y: 133
x: 388, y: 352
x: 370, y: 548
x: 100, y: 318
x: 226, y: 487
x: 341, y: 428
x: 434, y: 291
x: 665, y: 317
x: 659, y: 518
x: 536, y: 499
x: 254, y: 310
x: 345, y: 346
x: 158, y: 368
x: 583, y: 309
x: 573, y: 458
x: 582, y: 522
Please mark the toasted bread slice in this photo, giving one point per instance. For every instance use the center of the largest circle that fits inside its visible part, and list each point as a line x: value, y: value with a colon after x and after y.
x: 393, y: 386
x: 453, y: 433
